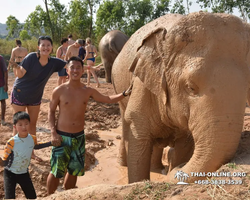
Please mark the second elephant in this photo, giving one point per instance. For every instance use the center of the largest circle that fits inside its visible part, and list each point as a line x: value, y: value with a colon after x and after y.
x: 110, y: 46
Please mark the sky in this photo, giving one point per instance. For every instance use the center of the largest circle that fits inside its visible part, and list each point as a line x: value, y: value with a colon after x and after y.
x: 22, y: 8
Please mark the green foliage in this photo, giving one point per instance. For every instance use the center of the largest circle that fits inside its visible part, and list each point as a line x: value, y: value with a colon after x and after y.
x: 232, y: 165
x: 128, y: 16
x: 79, y: 21
x: 13, y: 26
x: 110, y: 17
x: 161, y: 8
x: 24, y: 35
x: 58, y: 21
x: 57, y: 12
x: 138, y: 14
x: 35, y: 22
x: 227, y: 6
x: 180, y: 7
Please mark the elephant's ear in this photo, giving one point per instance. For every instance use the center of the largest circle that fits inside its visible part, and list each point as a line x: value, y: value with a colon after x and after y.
x: 148, y: 64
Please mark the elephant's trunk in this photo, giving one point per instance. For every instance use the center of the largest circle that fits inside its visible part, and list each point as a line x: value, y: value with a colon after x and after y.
x: 215, y: 144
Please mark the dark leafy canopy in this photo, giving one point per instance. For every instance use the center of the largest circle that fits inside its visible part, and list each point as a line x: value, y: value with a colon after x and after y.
x: 110, y: 16
x: 78, y: 19
x: 128, y: 16
x: 228, y: 6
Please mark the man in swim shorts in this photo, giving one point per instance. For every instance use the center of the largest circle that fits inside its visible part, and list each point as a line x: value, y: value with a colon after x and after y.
x: 67, y: 133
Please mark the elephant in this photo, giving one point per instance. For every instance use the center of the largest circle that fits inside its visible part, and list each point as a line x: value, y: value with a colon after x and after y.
x: 109, y: 47
x: 191, y: 78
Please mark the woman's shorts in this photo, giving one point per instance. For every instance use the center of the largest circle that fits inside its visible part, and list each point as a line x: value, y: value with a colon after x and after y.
x: 13, y: 100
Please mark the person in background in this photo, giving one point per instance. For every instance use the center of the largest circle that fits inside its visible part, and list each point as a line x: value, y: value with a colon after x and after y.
x: 32, y: 75
x: 91, y: 54
x: 3, y: 88
x: 73, y: 50
x: 60, y: 53
x: 67, y: 132
x: 70, y: 40
x: 18, y: 53
x: 16, y: 158
x: 82, y: 51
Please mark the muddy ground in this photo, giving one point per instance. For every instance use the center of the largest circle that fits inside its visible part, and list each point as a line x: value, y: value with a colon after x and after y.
x: 104, y: 178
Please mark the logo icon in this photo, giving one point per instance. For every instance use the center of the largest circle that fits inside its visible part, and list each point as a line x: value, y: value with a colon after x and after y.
x: 182, y: 177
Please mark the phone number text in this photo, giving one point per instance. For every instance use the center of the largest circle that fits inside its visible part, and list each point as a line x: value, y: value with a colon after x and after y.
x: 219, y: 182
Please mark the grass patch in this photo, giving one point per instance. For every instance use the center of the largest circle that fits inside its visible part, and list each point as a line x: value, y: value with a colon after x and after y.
x: 149, y: 190
x: 232, y: 165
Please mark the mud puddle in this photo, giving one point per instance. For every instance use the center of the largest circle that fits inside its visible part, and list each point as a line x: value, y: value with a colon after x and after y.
x: 107, y: 170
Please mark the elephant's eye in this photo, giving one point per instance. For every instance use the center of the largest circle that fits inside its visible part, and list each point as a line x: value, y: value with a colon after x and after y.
x: 191, y: 89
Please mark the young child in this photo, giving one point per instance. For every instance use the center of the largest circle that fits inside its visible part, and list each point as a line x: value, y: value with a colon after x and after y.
x: 16, y: 159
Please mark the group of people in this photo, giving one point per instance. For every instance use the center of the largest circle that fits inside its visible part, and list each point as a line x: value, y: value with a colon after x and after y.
x: 67, y: 133
x: 84, y: 50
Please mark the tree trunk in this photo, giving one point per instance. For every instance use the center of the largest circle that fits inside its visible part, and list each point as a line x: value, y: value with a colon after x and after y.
x: 91, y: 17
x: 50, y: 23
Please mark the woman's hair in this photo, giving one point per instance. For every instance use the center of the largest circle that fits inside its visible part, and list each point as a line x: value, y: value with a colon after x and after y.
x: 18, y: 42
x: 88, y: 40
x: 44, y: 38
x: 20, y: 116
x: 63, y: 40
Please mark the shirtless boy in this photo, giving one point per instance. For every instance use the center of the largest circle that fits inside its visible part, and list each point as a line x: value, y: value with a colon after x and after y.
x: 18, y: 53
x: 73, y: 50
x: 68, y: 133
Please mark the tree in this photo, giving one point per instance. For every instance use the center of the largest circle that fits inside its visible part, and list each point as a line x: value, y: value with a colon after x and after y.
x: 138, y: 14
x: 79, y: 22
x: 161, y: 7
x: 50, y: 22
x: 110, y: 16
x: 34, y: 23
x: 180, y: 7
x: 228, y: 6
x: 91, y: 6
x: 57, y: 13
x: 13, y: 26
x: 24, y: 35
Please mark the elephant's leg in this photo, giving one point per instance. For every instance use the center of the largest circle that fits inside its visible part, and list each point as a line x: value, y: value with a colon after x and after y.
x: 140, y: 143
x: 180, y: 153
x: 139, y: 158
x: 123, y: 150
